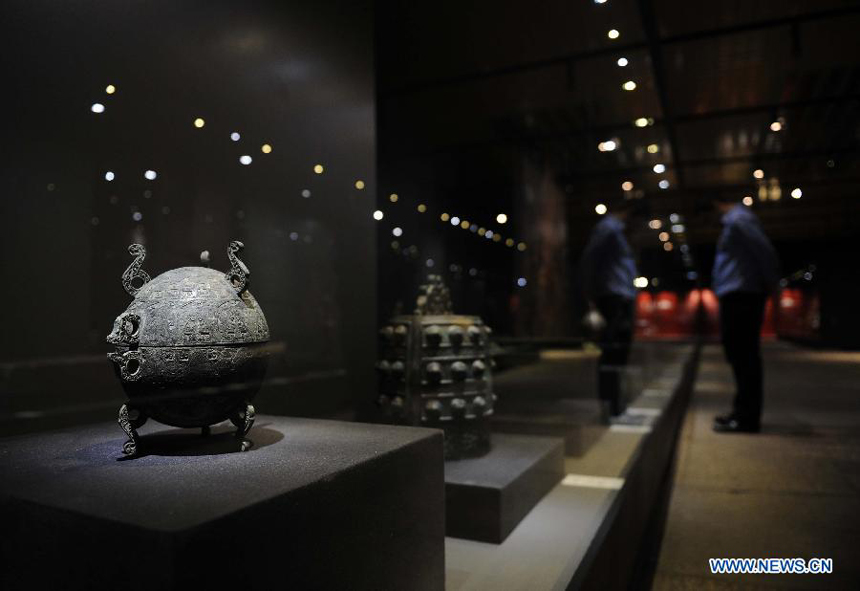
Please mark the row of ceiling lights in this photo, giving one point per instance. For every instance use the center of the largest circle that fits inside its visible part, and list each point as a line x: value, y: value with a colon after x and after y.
x: 613, y: 144
x: 454, y: 220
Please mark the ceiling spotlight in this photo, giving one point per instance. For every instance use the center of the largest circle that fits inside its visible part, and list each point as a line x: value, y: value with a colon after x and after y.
x: 444, y: 217
x: 655, y: 224
x: 674, y: 218
x: 501, y: 218
x: 235, y: 136
x: 629, y: 85
x: 668, y: 246
x: 109, y: 176
x: 600, y: 1
x: 613, y: 34
x: 150, y: 175
x: 393, y: 197
x: 359, y: 184
x: 641, y: 122
x: 653, y: 148
x: 748, y: 201
x: 627, y: 186
x: 797, y: 193
x: 521, y: 246
x: 397, y: 231
x: 663, y: 236
x: 775, y: 126
x: 522, y: 282
x: 245, y: 159
x: 266, y: 148
x: 318, y: 168
x: 110, y: 89
x: 455, y: 221
x: 663, y: 184
x: 758, y: 173
x: 600, y: 209
x: 422, y: 208
x: 622, y: 61
x: 607, y: 146
x: 640, y: 282
x: 378, y: 215
x: 97, y: 108
x: 659, y: 168
x: 199, y: 122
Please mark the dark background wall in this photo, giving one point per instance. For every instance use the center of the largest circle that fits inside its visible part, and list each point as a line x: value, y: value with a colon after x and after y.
x: 296, y: 76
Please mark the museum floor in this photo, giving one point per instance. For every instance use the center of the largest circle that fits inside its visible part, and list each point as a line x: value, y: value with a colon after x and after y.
x: 791, y: 491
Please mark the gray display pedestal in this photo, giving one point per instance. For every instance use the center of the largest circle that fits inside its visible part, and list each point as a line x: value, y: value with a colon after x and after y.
x: 314, y: 504
x: 487, y: 497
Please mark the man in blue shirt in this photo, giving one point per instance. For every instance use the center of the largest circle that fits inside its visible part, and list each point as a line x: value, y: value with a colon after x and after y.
x: 746, y: 270
x: 607, y: 273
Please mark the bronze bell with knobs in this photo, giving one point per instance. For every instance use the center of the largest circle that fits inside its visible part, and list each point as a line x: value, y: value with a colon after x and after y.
x: 433, y: 372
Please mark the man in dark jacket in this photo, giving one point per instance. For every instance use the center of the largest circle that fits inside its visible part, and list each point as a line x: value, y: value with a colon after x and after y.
x: 608, y: 271
x: 745, y: 271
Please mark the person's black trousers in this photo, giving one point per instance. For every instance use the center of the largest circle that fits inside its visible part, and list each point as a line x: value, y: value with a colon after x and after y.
x: 741, y: 316
x: 615, y: 340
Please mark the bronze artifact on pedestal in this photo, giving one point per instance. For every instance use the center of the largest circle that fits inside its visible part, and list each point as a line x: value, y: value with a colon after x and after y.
x: 190, y: 348
x: 435, y: 372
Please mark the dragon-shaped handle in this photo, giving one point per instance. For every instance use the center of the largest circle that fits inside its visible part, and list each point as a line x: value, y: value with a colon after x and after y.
x: 238, y: 273
x: 135, y: 270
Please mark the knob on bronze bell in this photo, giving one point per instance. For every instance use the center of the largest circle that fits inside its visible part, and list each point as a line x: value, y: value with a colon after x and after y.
x: 433, y: 335
x: 433, y: 409
x: 433, y: 372
x: 476, y: 335
x: 458, y: 407
x: 400, y: 335
x: 459, y: 371
x: 455, y: 335
x: 387, y: 333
